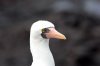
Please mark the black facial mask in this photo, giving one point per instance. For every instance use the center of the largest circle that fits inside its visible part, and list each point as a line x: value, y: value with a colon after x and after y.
x: 44, y: 31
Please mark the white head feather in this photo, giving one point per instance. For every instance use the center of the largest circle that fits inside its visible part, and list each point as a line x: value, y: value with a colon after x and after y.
x: 38, y: 26
x: 41, y: 24
x: 39, y: 46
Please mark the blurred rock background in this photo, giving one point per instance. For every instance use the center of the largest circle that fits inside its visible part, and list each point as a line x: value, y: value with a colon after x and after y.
x: 79, y: 20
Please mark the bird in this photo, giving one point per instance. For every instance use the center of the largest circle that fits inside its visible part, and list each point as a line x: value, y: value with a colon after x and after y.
x: 40, y: 33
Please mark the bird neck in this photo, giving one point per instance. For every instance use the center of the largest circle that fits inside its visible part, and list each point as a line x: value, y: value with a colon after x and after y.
x: 41, y: 53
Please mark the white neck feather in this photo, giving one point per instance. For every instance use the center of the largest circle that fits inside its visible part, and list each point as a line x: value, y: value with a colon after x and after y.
x: 41, y: 53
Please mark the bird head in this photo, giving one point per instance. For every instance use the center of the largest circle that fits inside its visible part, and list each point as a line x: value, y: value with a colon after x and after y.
x: 46, y: 30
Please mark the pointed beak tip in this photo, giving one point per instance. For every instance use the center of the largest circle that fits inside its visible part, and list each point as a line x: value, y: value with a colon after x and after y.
x: 64, y: 38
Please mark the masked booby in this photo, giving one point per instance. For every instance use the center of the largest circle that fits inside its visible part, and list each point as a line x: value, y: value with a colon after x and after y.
x: 40, y: 33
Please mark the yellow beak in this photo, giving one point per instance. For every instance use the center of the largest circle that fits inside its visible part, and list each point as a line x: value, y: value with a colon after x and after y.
x: 53, y: 33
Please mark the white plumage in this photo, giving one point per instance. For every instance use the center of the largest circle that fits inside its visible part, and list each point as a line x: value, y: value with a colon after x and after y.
x: 39, y: 46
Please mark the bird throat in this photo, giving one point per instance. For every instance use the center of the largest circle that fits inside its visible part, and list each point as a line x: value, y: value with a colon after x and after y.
x: 41, y: 53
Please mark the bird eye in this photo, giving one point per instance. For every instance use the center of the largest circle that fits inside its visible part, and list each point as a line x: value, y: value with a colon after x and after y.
x: 45, y: 30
